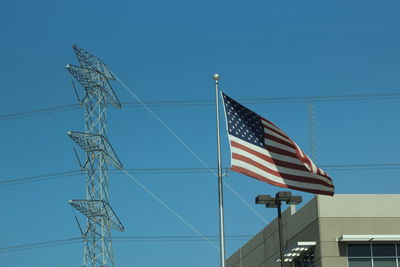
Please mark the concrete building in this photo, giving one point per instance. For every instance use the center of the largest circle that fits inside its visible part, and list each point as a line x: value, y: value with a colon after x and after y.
x: 339, y: 231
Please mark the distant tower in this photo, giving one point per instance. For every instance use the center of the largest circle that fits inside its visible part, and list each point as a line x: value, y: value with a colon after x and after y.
x: 312, y: 131
x: 94, y: 76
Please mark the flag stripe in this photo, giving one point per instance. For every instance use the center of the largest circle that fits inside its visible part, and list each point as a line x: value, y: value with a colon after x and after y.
x: 265, y: 157
x: 272, y: 127
x: 280, y: 151
x: 264, y: 179
x: 280, y: 141
x: 298, y: 165
x: 261, y: 151
x: 270, y: 132
x: 280, y: 172
x: 281, y: 167
x: 272, y: 143
x: 278, y: 179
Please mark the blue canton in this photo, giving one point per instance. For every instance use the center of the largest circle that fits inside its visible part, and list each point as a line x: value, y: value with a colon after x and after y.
x: 243, y: 123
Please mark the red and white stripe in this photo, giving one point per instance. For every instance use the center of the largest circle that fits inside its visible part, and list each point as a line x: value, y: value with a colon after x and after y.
x: 281, y: 163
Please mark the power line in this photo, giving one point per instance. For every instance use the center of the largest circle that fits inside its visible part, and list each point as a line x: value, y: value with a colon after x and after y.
x: 357, y: 167
x: 38, y: 178
x: 155, y: 238
x: 38, y: 112
x: 259, y: 100
x: 40, y: 244
x: 209, y: 102
x: 165, y: 171
x: 205, y: 37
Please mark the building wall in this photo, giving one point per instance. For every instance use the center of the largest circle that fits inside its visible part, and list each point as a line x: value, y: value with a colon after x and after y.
x: 323, y: 219
x: 354, y: 215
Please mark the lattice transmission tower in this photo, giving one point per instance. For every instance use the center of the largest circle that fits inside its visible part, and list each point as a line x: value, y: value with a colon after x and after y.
x: 312, y: 131
x: 94, y: 76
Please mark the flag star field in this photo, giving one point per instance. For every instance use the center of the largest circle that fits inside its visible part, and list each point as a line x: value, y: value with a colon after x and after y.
x: 244, y: 123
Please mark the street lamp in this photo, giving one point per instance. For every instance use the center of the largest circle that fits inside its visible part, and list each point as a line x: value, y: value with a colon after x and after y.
x: 276, y: 202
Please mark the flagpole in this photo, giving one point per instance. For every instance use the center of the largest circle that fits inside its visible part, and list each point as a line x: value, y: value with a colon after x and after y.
x: 220, y: 194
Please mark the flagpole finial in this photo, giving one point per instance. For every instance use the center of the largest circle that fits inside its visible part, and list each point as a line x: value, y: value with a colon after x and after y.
x: 216, y: 77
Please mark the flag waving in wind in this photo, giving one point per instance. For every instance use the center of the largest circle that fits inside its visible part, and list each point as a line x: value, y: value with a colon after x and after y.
x: 261, y: 150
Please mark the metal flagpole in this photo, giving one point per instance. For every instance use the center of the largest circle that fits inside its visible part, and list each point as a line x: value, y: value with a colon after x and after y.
x: 220, y: 195
x: 281, y: 249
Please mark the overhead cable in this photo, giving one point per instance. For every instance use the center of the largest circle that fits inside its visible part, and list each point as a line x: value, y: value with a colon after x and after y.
x: 209, y: 102
x: 153, y: 239
x: 166, y: 171
x: 40, y: 244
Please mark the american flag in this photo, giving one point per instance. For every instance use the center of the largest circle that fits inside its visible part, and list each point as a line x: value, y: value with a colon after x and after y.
x: 261, y: 150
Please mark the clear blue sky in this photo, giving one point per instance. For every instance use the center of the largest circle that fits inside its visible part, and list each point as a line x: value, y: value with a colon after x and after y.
x: 169, y: 50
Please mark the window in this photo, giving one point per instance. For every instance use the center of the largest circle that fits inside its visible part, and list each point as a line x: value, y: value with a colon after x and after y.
x: 305, y: 260
x: 373, y: 255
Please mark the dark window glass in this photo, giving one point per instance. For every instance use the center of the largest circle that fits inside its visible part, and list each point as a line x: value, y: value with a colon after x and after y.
x: 398, y: 250
x: 384, y: 262
x: 359, y: 250
x: 383, y: 250
x: 306, y: 260
x: 360, y: 262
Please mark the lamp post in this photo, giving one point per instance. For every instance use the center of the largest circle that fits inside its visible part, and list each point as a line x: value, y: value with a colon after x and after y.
x: 276, y: 202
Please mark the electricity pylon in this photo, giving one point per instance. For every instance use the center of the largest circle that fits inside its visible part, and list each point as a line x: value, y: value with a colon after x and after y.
x: 94, y: 76
x: 312, y: 131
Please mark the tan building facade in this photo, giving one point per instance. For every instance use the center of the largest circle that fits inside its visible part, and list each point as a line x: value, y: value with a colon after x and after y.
x: 339, y: 231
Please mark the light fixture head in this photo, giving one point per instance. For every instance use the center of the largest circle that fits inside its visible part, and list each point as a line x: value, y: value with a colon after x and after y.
x: 263, y: 199
x: 283, y: 195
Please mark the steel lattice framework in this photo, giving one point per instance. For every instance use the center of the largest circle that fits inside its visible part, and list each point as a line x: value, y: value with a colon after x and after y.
x: 94, y: 76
